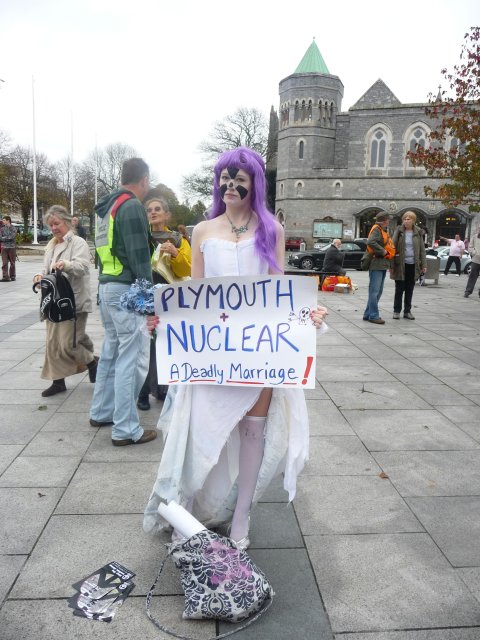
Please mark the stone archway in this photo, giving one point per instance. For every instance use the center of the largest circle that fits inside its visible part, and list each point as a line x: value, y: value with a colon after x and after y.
x: 365, y: 220
x: 281, y: 217
x: 451, y: 222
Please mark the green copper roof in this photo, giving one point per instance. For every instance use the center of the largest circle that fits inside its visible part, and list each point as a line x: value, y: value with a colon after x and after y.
x: 312, y: 61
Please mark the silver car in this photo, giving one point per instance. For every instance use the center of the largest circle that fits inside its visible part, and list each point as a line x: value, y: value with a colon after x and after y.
x: 465, y: 260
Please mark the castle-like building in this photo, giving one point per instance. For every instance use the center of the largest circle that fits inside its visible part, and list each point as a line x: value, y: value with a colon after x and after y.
x: 336, y: 170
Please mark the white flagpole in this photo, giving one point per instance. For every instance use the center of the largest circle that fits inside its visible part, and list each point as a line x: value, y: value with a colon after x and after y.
x: 96, y: 170
x: 35, y: 213
x: 71, y: 164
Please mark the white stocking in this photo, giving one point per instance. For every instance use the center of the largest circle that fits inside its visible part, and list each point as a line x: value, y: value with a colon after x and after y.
x: 251, y: 430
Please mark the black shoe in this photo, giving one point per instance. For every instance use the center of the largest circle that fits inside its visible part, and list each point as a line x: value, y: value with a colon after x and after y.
x: 143, y: 403
x: 148, y: 434
x: 5, y: 280
x: 96, y: 423
x: 92, y: 369
x: 466, y: 294
x: 56, y: 387
x: 12, y: 279
x: 377, y: 321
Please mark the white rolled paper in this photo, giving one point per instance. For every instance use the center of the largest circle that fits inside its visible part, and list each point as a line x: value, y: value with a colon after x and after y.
x: 180, y: 519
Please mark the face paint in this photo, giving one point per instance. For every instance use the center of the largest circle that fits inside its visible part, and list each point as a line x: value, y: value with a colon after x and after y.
x: 232, y: 172
x: 242, y: 192
x: 223, y: 190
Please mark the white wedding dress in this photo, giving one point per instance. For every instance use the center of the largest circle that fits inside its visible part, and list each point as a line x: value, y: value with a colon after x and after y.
x: 199, y: 465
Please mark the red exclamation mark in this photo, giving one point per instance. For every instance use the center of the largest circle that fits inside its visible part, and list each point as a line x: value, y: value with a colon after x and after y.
x: 307, y: 369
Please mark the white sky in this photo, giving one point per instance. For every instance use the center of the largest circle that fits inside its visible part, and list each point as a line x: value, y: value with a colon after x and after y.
x: 157, y: 74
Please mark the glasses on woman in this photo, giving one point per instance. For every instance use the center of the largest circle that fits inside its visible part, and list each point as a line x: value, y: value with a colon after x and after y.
x: 152, y: 209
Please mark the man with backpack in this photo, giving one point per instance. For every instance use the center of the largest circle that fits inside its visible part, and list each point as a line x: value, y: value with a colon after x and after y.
x: 382, y: 250
x: 123, y: 250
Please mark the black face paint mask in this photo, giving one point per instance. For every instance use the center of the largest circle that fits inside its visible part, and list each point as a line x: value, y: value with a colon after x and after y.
x: 242, y: 192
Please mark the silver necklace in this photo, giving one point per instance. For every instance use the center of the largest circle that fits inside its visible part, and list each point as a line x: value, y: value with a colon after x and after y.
x: 242, y: 228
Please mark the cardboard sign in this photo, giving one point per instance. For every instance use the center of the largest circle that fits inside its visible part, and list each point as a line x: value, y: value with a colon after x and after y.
x: 250, y: 330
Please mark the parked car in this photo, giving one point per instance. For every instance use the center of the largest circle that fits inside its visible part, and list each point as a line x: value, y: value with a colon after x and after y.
x: 293, y: 243
x: 322, y: 242
x: 444, y: 252
x: 353, y: 252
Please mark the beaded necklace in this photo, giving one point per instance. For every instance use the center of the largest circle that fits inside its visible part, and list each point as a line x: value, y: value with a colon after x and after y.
x: 242, y: 228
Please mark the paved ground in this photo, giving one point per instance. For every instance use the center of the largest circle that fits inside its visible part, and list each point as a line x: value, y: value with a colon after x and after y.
x: 381, y: 543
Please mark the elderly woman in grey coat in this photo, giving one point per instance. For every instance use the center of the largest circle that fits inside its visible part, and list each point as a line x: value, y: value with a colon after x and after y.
x: 407, y: 265
x: 69, y: 253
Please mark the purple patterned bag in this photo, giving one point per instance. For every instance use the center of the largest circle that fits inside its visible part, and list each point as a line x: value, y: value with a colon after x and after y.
x: 219, y: 581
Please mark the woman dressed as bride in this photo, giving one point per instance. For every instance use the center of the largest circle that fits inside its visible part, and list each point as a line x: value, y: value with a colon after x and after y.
x: 224, y: 445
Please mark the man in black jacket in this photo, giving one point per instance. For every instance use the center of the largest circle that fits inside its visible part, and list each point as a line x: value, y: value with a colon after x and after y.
x: 333, y: 262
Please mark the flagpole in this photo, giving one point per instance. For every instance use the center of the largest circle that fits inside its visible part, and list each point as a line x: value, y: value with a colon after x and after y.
x: 35, y: 212
x: 96, y: 170
x: 71, y: 163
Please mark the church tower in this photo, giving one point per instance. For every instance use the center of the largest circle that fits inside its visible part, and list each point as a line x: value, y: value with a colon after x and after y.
x: 310, y: 99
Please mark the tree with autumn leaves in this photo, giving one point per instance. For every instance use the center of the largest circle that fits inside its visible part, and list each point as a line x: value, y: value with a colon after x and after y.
x: 457, y: 119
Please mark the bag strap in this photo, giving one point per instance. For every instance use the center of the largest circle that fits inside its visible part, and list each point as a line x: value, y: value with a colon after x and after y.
x: 178, y: 635
x: 118, y: 203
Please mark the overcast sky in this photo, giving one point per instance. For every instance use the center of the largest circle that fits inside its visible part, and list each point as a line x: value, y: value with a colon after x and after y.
x: 157, y: 74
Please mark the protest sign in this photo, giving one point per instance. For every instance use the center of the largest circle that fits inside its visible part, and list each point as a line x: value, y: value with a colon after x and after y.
x: 249, y: 330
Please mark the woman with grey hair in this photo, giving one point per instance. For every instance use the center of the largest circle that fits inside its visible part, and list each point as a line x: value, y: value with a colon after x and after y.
x: 70, y: 254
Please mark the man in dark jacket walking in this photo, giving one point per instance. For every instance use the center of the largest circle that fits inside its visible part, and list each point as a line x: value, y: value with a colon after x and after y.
x: 122, y: 245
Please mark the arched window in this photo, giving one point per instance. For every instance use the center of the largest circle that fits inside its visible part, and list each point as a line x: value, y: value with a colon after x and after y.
x: 281, y: 189
x: 337, y: 189
x: 309, y: 111
x: 416, y: 136
x: 301, y: 147
x: 297, y: 108
x: 378, y: 149
x: 299, y: 189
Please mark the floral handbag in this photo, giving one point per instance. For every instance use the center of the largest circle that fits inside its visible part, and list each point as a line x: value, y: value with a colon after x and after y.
x: 219, y: 582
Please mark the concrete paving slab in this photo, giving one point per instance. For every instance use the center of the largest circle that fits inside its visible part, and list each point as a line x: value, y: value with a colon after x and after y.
x: 446, y: 366
x: 433, y: 473
x: 362, y: 369
x: 428, y: 634
x: 406, y: 429
x: 53, y: 620
x: 23, y: 397
x: 419, y: 351
x: 338, y: 351
x: 463, y: 384
x: 10, y: 567
x: 326, y: 420
x: 32, y: 363
x: 83, y: 543
x: 59, y: 443
x: 72, y: 423
x: 414, y: 379
x: 46, y: 471
x: 20, y: 423
x: 475, y: 399
x: 389, y: 582
x: 102, y: 450
x: 439, y: 394
x: 373, y: 395
x: 471, y: 577
x: 351, y: 504
x: 14, y: 380
x: 454, y: 524
x: 297, y: 610
x: 24, y: 514
x: 14, y: 355
x: 275, y: 492
x: 90, y: 490
x: 399, y: 365
x: 8, y: 453
x: 340, y: 456
x: 274, y: 525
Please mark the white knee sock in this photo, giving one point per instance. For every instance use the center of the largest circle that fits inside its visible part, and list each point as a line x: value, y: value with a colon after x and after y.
x: 251, y: 430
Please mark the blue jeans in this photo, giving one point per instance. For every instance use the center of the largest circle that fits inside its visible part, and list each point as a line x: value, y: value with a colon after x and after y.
x: 122, y: 367
x: 375, y: 290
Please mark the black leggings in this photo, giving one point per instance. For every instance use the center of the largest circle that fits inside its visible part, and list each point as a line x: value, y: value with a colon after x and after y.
x: 406, y: 287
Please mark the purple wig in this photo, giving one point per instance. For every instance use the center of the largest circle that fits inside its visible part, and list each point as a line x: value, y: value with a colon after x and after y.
x: 252, y: 163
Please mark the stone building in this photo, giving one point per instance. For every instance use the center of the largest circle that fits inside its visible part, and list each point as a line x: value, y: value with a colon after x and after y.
x: 336, y: 170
